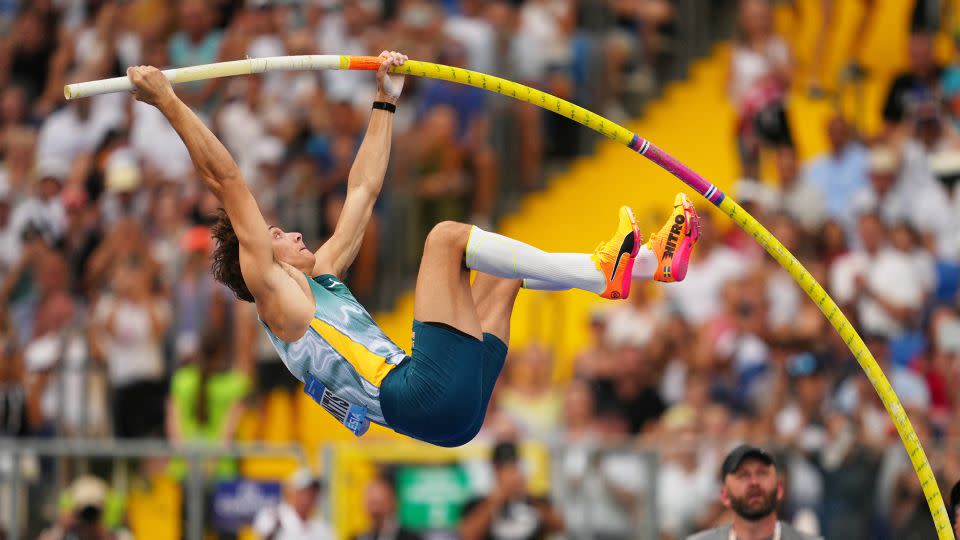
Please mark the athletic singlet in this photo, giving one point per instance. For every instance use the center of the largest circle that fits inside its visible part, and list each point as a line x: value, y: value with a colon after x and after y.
x: 343, y: 357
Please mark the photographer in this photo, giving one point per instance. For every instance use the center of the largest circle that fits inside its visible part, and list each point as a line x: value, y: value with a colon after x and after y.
x: 84, y: 521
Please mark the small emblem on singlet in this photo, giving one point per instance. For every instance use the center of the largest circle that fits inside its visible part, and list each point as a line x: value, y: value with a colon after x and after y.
x: 354, y: 417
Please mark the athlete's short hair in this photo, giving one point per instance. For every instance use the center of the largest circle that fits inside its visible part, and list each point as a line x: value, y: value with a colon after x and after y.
x: 226, y: 257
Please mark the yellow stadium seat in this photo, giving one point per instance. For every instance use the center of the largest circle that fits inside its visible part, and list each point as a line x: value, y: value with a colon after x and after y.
x: 154, y: 510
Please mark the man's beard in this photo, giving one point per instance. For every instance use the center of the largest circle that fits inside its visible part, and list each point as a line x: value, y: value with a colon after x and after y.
x: 755, y: 509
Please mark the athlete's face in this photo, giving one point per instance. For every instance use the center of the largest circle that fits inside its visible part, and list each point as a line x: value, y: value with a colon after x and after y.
x: 288, y: 247
x: 753, y: 490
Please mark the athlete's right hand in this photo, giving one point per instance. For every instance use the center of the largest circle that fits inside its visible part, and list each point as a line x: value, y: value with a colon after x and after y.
x: 389, y: 86
x: 151, y: 86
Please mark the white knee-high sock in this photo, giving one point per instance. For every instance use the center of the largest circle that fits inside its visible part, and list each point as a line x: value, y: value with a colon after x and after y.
x: 644, y: 265
x: 504, y: 257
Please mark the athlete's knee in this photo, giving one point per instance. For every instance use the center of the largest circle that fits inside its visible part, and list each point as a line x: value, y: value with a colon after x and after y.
x: 448, y: 234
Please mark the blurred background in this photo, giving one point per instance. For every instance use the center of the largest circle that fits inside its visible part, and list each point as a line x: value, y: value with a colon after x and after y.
x: 138, y: 398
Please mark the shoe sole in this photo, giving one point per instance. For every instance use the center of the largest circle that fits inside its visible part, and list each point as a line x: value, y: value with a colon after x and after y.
x: 627, y: 269
x: 685, y: 247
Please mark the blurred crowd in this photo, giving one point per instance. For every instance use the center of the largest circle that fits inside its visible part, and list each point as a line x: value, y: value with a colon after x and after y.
x: 111, y: 325
x: 737, y: 352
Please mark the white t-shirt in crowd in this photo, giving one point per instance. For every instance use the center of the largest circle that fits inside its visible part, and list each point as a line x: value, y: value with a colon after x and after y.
x: 157, y: 143
x: 890, y: 274
x: 683, y: 494
x: 749, y: 66
x: 283, y: 523
x: 585, y: 491
x: 698, y: 296
x: 477, y: 36
x: 804, y: 202
x: 133, y: 353
x: 59, y: 137
x: 49, y: 216
x: 784, y: 299
x: 66, y: 396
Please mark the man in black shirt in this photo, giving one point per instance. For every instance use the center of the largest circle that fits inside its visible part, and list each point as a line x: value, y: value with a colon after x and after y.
x: 631, y: 392
x: 917, y: 87
x: 509, y: 512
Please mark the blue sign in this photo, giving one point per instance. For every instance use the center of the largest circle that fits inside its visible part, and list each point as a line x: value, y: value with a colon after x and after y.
x: 236, y: 503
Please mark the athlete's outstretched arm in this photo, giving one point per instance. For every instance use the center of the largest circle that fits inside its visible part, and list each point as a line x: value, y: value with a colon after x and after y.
x: 366, y: 176
x: 219, y: 172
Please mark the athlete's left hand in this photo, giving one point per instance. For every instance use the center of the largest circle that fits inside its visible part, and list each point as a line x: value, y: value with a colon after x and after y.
x: 389, y: 86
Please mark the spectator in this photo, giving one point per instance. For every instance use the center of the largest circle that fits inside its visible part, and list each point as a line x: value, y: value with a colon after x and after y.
x: 943, y: 352
x: 950, y: 86
x: 198, y: 42
x: 849, y: 466
x: 842, y: 172
x: 918, y: 86
x: 596, y: 359
x: 82, y: 234
x: 685, y: 481
x: 84, y: 518
x: 532, y: 404
x: 472, y: 132
x: 799, y: 198
x: 599, y: 491
x: 206, y: 399
x: 880, y: 196
x: 200, y: 305
x: 469, y: 26
x: 32, y: 57
x: 44, y: 211
x: 93, y: 117
x: 13, y: 112
x: 124, y: 243
x: 760, y: 74
x: 71, y: 392
x: 381, y: 505
x: 631, y: 392
x: 751, y: 489
x: 126, y: 334
x: 740, y: 348
x: 509, y: 511
x: 14, y: 402
x: 295, y: 519
x: 9, y: 249
x: 878, y: 281
x: 909, y: 386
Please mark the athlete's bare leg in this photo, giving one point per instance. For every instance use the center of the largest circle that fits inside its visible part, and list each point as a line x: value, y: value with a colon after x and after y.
x: 494, y: 298
x: 443, y: 292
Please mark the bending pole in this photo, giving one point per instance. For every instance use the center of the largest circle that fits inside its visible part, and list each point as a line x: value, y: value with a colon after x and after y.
x: 645, y: 148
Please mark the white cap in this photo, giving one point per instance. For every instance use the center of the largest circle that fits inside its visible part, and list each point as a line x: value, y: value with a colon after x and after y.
x: 883, y: 160
x: 302, y: 478
x: 268, y: 151
x: 53, y: 167
x: 88, y: 491
x: 122, y: 172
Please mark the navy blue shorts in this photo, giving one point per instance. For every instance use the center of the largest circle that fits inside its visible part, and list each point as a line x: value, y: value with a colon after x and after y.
x: 441, y: 392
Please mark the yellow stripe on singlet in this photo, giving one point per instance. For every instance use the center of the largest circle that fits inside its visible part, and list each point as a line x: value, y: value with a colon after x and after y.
x: 370, y: 366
